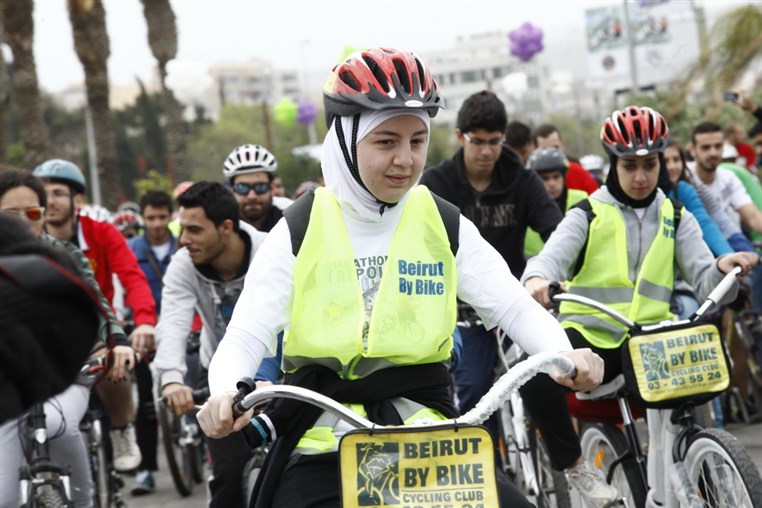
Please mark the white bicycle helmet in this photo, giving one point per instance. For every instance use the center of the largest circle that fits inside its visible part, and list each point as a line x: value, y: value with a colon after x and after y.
x: 249, y: 159
x: 592, y: 162
x: 95, y: 212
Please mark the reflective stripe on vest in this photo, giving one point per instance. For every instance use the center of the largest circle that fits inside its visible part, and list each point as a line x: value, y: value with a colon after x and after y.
x: 413, y: 314
x: 533, y: 243
x: 604, y: 277
x: 324, y: 436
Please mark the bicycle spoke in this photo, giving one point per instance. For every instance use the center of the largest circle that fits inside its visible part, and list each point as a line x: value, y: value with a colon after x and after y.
x: 718, y: 468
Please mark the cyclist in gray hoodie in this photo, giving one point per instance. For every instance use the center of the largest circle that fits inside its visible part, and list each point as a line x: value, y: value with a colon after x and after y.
x: 206, y: 276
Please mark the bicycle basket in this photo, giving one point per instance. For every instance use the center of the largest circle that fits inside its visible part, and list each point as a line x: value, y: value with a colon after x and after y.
x: 677, y: 364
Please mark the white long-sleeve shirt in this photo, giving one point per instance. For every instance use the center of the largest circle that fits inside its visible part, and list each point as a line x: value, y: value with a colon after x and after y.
x: 484, y: 282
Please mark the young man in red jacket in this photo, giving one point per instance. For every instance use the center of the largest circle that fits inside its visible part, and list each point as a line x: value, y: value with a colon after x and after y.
x: 109, y: 255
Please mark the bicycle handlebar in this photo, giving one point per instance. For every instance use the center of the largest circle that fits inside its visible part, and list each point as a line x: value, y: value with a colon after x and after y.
x: 717, y: 293
x: 714, y: 296
x: 492, y: 400
x: 199, y: 397
x: 567, y: 297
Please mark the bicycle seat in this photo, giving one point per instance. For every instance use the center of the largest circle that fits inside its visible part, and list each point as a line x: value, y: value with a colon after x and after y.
x: 604, y: 391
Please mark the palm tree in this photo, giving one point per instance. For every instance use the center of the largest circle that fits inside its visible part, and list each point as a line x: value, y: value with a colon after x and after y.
x: 735, y: 41
x: 18, y: 31
x: 162, y: 38
x: 732, y: 45
x: 88, y: 22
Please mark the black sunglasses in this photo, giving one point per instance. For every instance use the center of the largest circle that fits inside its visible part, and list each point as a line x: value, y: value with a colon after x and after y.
x: 242, y: 189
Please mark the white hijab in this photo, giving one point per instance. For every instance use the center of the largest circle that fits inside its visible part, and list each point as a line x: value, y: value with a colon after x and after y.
x: 338, y: 179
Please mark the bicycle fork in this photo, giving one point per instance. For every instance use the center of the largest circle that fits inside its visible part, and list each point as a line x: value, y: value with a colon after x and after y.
x: 522, y: 443
x: 41, y: 471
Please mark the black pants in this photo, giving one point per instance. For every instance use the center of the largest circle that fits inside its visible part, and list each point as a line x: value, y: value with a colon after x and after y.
x: 545, y: 400
x: 312, y: 481
x: 146, y: 424
x: 229, y: 456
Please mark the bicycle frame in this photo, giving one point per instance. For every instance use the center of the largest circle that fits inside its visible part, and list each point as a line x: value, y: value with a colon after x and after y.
x: 668, y: 429
x: 509, y: 358
x: 94, y: 426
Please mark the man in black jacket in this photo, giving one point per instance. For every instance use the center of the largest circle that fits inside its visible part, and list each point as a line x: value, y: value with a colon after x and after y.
x: 490, y: 186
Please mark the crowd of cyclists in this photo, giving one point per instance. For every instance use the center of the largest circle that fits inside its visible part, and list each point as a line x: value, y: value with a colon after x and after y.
x: 318, y: 289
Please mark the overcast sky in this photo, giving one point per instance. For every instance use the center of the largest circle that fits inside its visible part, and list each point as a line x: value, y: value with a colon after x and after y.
x: 293, y: 33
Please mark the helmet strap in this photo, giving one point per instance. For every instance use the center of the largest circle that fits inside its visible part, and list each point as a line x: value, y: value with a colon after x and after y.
x: 352, y: 161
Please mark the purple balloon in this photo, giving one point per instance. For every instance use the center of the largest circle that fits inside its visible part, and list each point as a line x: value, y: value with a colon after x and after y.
x: 525, y: 41
x: 306, y: 112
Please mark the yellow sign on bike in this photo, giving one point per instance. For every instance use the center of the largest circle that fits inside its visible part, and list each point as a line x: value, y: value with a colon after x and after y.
x: 679, y: 363
x: 442, y: 468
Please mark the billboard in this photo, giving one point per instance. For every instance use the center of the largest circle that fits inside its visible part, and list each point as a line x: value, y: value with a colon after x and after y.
x: 663, y: 35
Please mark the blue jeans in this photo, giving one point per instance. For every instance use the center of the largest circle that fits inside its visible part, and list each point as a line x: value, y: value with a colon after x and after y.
x: 474, y: 372
x: 756, y: 288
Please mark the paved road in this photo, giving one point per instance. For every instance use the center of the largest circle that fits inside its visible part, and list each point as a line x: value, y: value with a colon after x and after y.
x: 167, y: 497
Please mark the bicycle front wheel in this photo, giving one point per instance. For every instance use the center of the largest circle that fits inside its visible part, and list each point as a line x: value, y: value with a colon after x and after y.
x: 602, y: 445
x: 721, y: 471
x: 251, y: 472
x: 178, y: 458
x: 99, y: 471
x: 553, y: 491
x: 50, y: 496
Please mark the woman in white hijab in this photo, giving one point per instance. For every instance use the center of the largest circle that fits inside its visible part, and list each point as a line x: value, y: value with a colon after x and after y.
x: 363, y: 275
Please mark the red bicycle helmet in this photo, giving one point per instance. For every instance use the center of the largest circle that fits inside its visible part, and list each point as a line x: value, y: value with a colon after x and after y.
x: 634, y: 131
x: 380, y: 78
x: 126, y: 219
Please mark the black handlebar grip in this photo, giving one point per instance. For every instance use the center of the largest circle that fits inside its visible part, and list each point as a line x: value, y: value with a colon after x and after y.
x: 200, y: 395
x: 245, y: 386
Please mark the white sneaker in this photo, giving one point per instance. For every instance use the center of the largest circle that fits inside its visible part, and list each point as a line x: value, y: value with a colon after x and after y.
x: 126, y: 452
x: 591, y: 484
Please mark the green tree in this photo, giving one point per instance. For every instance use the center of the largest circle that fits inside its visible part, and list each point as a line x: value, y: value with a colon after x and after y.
x: 128, y: 167
x: 682, y: 115
x: 88, y: 21
x: 732, y: 46
x: 153, y: 181
x: 735, y: 43
x: 162, y: 38
x: 18, y: 33
x: 240, y: 124
x: 146, y: 119
x: 442, y: 144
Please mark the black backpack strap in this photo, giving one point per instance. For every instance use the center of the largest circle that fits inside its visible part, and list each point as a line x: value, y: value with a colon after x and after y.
x: 451, y: 217
x: 298, y: 218
x: 678, y: 206
x: 586, y: 207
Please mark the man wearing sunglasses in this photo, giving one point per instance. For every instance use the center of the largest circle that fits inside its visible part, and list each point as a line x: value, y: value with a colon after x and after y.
x: 22, y: 195
x: 109, y: 255
x: 488, y: 183
x: 249, y: 171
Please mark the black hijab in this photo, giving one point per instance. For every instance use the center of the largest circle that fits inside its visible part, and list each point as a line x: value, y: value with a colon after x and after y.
x: 614, y: 187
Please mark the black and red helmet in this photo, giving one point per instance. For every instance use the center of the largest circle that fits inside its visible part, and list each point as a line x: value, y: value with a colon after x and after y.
x: 377, y: 79
x: 635, y: 131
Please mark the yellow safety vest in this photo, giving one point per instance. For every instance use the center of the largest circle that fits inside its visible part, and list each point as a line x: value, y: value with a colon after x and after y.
x: 413, y: 314
x: 604, y: 277
x: 533, y: 243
